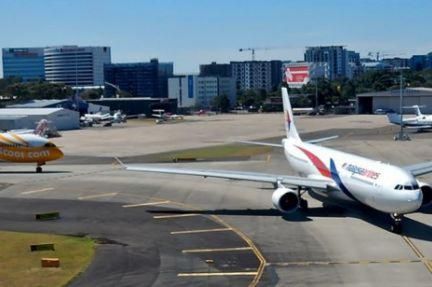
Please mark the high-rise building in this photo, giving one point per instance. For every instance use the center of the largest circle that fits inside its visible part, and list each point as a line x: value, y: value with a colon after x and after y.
x: 257, y: 75
x: 25, y: 63
x: 199, y: 92
x: 139, y: 79
x: 336, y: 58
x: 76, y: 66
x: 215, y: 70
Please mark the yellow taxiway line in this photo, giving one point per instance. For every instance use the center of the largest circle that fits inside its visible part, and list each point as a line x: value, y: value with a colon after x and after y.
x: 146, y: 204
x: 206, y: 274
x: 97, y: 195
x: 418, y: 253
x: 37, y: 190
x: 201, y: 230
x: 216, y: 249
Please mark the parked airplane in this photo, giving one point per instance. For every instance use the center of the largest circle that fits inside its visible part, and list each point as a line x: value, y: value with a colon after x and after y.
x: 418, y: 122
x: 106, y: 119
x: 28, y: 148
x: 330, y: 176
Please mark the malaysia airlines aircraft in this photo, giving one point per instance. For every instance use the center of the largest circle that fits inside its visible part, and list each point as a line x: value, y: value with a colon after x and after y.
x: 28, y: 148
x: 331, y: 176
x: 419, y: 122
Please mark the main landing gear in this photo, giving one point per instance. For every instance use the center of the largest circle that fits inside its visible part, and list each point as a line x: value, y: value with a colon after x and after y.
x: 303, y: 203
x: 396, y: 224
x: 39, y: 167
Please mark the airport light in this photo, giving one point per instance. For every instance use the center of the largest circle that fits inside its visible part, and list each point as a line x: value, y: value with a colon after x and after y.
x: 401, y: 136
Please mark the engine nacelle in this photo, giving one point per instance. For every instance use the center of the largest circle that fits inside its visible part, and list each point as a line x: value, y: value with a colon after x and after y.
x: 427, y: 193
x: 285, y: 199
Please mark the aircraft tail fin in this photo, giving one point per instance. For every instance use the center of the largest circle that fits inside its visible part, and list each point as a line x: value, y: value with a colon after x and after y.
x: 417, y: 110
x: 291, y: 130
x: 394, y: 118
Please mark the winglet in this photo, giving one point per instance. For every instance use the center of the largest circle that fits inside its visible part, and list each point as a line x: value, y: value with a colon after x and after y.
x: 118, y: 161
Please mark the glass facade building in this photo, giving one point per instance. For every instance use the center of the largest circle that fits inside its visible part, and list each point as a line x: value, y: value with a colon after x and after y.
x: 139, y: 79
x: 25, y: 63
x: 76, y: 66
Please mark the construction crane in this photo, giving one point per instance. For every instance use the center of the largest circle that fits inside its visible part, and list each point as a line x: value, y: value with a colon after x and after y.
x: 253, y: 51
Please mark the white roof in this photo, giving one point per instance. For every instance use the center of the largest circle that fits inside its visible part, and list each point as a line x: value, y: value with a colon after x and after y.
x: 25, y: 112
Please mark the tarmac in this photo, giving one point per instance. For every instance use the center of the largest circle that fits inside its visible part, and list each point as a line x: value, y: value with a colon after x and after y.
x: 165, y: 230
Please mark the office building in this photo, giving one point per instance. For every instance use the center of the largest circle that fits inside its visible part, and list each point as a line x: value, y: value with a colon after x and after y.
x: 75, y: 65
x: 139, y: 79
x: 199, y: 92
x: 257, y: 75
x: 215, y: 70
x: 336, y: 57
x: 24, y: 63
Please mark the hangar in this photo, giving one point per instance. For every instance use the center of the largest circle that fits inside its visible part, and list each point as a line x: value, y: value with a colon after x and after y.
x: 62, y: 119
x: 367, y: 103
x: 137, y: 106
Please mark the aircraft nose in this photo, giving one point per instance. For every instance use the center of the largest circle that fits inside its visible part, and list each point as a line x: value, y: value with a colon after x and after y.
x: 414, y: 199
x: 58, y: 153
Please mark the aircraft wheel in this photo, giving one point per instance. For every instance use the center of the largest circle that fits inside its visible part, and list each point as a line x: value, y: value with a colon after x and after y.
x: 396, y: 227
x: 303, y: 204
x: 39, y: 169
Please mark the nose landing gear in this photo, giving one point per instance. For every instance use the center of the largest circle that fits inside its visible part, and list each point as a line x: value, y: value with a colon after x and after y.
x: 39, y: 167
x: 396, y: 225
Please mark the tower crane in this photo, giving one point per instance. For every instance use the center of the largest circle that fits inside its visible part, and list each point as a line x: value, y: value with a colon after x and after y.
x: 253, y: 50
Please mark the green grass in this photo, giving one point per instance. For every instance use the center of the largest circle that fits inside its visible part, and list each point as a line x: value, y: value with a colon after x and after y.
x: 20, y: 267
x: 212, y: 153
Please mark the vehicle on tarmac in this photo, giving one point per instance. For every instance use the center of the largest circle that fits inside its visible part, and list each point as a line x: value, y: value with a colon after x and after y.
x: 330, y: 176
x: 28, y: 148
x: 419, y: 122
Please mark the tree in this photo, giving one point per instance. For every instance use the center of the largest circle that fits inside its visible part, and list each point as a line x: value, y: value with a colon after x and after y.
x: 222, y: 103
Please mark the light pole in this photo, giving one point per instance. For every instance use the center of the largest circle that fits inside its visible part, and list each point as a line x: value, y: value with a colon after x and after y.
x: 401, y: 136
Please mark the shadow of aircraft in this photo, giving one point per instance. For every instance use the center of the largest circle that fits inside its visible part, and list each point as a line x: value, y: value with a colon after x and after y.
x: 411, y: 228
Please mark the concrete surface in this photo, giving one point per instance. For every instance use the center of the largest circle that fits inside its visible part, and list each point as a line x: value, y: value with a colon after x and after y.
x: 320, y: 248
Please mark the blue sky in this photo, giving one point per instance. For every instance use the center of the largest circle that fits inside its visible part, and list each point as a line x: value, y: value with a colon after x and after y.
x: 190, y: 32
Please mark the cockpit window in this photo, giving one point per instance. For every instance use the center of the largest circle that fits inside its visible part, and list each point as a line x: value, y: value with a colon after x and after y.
x: 406, y: 187
x: 50, y: 144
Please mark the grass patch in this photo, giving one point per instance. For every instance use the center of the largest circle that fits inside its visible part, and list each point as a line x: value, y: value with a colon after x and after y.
x: 219, y: 152
x: 20, y: 267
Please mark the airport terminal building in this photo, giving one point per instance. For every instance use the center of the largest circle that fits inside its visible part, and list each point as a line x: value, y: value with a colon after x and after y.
x: 367, y: 103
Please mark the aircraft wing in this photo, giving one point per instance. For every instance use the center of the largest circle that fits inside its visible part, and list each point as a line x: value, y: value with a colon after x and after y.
x: 419, y: 168
x: 313, y: 141
x: 236, y: 175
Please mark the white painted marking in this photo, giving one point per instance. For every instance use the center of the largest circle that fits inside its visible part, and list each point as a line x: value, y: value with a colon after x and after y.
x: 37, y: 190
x: 216, y: 250
x: 97, y: 195
x: 146, y: 204
x: 202, y: 274
x: 201, y: 231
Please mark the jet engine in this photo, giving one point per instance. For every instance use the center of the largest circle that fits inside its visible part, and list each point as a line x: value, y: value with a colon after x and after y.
x: 427, y: 193
x: 285, y: 199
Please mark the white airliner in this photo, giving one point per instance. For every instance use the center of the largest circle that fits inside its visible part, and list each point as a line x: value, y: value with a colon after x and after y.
x: 331, y: 176
x: 419, y: 122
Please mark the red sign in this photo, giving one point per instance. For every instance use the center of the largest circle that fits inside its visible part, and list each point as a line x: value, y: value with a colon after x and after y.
x: 297, y: 75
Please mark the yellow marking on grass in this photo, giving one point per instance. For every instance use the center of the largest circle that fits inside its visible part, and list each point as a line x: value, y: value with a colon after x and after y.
x: 206, y: 274
x: 174, y: 216
x: 201, y: 230
x: 97, y: 195
x: 205, y: 250
x: 146, y: 204
x: 37, y: 190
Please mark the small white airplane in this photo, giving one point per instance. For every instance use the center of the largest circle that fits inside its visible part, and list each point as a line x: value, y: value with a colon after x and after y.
x: 419, y: 122
x: 330, y: 176
x: 106, y: 119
